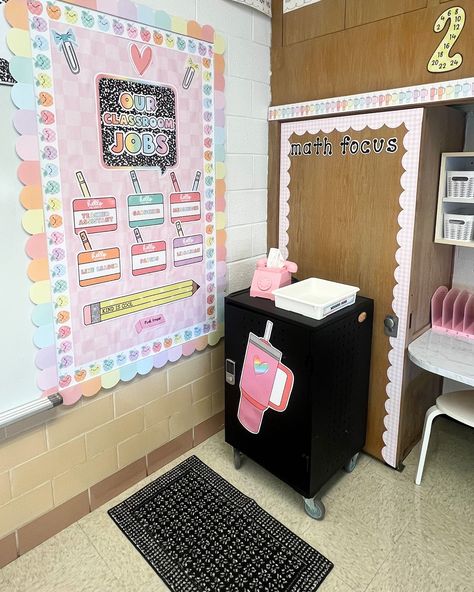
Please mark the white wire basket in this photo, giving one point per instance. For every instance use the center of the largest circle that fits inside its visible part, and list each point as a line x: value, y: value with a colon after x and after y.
x: 460, y: 184
x: 458, y: 227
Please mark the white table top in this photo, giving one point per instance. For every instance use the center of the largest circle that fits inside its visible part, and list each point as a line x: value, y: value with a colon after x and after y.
x: 443, y: 354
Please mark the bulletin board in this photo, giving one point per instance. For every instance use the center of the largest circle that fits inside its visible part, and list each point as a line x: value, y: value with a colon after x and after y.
x: 125, y: 196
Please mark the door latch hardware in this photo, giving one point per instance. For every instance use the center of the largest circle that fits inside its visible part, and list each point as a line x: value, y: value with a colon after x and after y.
x: 390, y: 325
x: 230, y: 371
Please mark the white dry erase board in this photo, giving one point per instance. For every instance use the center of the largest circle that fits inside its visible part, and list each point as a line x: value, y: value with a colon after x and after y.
x: 17, y: 351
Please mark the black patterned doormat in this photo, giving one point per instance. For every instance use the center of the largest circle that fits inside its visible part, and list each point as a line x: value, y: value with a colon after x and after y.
x: 201, y: 534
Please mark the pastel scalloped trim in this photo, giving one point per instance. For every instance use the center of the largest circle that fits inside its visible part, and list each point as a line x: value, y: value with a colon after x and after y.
x: 29, y: 173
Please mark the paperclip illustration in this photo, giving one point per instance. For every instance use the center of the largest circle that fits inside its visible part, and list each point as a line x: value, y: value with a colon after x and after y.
x: 265, y: 383
x: 65, y: 43
x: 191, y: 69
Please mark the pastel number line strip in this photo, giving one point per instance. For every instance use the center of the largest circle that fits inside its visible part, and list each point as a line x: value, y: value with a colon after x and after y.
x: 404, y: 96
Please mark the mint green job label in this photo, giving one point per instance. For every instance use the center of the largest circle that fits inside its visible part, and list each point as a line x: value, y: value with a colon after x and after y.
x: 145, y: 209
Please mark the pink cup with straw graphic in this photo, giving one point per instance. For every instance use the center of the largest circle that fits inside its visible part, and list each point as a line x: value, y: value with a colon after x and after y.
x: 265, y: 383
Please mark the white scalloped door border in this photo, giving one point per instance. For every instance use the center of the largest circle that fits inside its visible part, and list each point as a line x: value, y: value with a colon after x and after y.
x: 412, y: 119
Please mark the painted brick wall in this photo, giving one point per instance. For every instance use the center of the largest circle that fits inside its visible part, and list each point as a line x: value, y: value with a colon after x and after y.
x: 48, y: 460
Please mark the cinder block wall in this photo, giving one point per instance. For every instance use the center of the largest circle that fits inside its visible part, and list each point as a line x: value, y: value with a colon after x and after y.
x: 52, y: 459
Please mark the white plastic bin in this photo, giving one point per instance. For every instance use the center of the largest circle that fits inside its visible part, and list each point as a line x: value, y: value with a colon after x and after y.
x: 458, y: 227
x: 460, y: 184
x: 315, y: 298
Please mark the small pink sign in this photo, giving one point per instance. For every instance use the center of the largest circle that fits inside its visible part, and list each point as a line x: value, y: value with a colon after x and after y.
x: 149, y: 322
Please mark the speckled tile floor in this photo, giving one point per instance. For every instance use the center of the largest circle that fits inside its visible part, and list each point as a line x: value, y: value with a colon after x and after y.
x: 383, y: 533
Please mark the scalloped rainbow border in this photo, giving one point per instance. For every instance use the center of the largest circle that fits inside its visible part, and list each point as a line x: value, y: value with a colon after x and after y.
x: 31, y: 197
x: 412, y: 119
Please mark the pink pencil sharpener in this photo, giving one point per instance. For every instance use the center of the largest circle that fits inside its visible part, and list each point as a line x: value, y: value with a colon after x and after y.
x: 266, y: 279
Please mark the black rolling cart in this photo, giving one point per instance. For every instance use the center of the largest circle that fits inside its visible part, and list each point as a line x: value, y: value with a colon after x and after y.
x: 296, y: 390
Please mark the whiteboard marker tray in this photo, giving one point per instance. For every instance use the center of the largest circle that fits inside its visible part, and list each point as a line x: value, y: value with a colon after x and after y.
x: 315, y: 298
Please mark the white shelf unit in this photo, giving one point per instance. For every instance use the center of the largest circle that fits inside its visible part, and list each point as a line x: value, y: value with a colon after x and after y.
x: 453, y: 161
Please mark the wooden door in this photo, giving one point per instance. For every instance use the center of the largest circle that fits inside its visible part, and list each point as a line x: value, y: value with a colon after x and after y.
x: 343, y: 220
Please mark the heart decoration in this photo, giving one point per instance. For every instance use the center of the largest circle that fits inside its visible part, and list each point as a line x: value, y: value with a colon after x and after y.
x: 259, y: 367
x: 141, y: 59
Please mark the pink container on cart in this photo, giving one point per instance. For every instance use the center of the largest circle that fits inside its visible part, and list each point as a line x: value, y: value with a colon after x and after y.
x: 266, y: 279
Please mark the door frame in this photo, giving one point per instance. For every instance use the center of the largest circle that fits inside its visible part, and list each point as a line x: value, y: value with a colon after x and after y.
x: 413, y: 120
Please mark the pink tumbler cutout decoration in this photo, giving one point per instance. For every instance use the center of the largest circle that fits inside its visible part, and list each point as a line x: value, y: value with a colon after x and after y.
x: 265, y: 383
x: 452, y: 311
x: 266, y: 279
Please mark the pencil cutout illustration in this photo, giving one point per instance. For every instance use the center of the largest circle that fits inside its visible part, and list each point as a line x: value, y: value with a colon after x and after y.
x: 124, y: 305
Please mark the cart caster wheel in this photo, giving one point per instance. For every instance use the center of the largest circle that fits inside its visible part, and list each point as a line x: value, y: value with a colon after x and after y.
x: 237, y: 459
x: 351, y: 464
x: 315, y: 508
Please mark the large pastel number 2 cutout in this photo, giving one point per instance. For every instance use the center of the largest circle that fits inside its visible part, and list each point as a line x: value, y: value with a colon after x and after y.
x: 441, y: 61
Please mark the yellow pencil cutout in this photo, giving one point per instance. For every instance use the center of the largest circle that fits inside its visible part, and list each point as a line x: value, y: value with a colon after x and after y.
x: 82, y: 184
x: 123, y: 305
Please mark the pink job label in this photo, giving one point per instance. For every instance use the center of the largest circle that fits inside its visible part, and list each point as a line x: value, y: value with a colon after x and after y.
x: 149, y: 322
x: 187, y: 250
x: 95, y: 214
x: 148, y: 257
x: 185, y: 207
